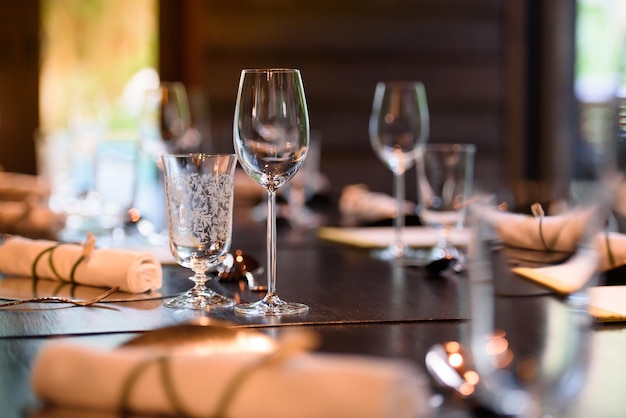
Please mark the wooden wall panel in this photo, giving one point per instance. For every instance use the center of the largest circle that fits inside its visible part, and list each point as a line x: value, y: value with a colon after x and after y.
x: 456, y: 47
x: 19, y: 85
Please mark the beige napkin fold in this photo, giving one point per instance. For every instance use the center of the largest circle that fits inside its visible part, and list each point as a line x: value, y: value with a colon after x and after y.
x: 359, y: 205
x: 31, y: 219
x: 608, y: 252
x: 567, y: 277
x: 304, y: 385
x: 560, y: 233
x: 607, y: 303
x: 132, y: 271
x: 612, y: 249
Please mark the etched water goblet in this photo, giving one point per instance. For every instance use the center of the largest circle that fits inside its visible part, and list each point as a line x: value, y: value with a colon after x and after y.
x: 271, y: 139
x: 399, y: 124
x: 199, y: 192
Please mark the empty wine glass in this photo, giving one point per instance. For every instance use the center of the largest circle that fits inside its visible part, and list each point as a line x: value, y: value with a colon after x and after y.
x: 166, y: 118
x: 444, y: 182
x: 399, y: 124
x: 164, y: 125
x: 199, y: 192
x: 271, y: 139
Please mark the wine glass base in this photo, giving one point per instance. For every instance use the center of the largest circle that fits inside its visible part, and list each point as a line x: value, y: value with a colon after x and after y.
x: 271, y: 306
x: 200, y: 299
x: 402, y: 256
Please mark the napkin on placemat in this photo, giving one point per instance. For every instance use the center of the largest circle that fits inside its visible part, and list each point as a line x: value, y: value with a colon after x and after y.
x: 132, y: 271
x: 606, y: 303
x: 358, y: 205
x: 612, y: 249
x: 303, y: 385
x: 567, y: 277
x: 30, y: 219
x: 560, y: 233
x: 381, y: 236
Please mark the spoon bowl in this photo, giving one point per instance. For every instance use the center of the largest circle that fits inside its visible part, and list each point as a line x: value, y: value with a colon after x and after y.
x: 451, y: 366
x: 241, y: 266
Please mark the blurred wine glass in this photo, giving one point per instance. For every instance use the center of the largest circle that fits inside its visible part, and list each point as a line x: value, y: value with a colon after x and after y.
x: 399, y: 124
x: 165, y: 127
x: 271, y: 140
x: 166, y: 119
x: 444, y: 182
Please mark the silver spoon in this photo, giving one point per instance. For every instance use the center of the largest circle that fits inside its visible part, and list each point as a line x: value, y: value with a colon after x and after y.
x: 240, y: 266
x: 450, y: 365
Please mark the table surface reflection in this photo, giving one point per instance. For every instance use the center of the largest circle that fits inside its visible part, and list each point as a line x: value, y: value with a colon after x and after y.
x: 358, y: 305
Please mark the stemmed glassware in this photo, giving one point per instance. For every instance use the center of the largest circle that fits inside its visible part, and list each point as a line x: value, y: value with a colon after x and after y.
x: 164, y: 125
x: 166, y: 117
x: 445, y: 175
x: 271, y: 139
x: 199, y: 192
x: 399, y: 124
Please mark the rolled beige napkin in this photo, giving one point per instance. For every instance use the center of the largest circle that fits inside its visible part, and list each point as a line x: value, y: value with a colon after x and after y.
x: 303, y: 385
x: 30, y: 219
x: 132, y: 271
x: 560, y: 233
x: 359, y: 205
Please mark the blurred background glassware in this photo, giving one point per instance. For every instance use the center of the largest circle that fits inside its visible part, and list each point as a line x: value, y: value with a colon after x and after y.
x: 529, y: 353
x: 399, y: 124
x: 67, y: 159
x: 271, y: 139
x: 165, y: 127
x: 445, y: 175
x: 307, y: 182
x: 540, y: 374
x: 199, y: 192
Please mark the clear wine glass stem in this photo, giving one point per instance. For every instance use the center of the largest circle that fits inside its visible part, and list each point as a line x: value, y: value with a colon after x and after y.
x: 398, y: 221
x: 271, y: 243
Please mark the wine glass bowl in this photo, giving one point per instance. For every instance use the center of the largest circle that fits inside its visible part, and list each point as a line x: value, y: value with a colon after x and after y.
x: 399, y: 124
x: 444, y: 183
x: 271, y: 140
x: 199, y: 192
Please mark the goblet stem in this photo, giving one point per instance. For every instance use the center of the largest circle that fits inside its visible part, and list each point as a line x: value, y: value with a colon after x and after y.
x: 271, y: 304
x: 271, y: 243
x: 398, y: 222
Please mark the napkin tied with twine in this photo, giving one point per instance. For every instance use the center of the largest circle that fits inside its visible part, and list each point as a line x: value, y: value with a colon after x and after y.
x: 233, y: 385
x: 133, y: 272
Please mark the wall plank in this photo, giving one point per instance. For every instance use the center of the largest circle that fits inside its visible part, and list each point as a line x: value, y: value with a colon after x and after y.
x: 457, y: 48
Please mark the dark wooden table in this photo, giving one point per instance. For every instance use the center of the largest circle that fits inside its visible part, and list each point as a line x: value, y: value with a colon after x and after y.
x: 358, y: 305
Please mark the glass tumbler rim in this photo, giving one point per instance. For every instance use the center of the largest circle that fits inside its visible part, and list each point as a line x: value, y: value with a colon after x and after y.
x: 401, y: 83
x: 450, y: 146
x: 196, y: 154
x: 270, y: 70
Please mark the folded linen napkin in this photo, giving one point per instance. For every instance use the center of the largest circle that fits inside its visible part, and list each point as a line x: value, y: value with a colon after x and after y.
x: 567, y: 277
x: 608, y: 252
x: 559, y: 233
x: 606, y: 303
x: 359, y: 205
x: 611, y: 247
x: 303, y: 385
x: 132, y: 271
x: 31, y: 219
